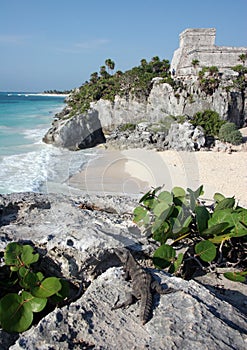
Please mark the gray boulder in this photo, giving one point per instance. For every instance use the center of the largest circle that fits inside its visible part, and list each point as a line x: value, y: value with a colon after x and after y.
x: 190, y: 319
x: 185, y: 137
x: 75, y: 237
x: 81, y: 131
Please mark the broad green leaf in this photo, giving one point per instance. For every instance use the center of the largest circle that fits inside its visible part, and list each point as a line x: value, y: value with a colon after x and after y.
x: 27, y: 256
x: 225, y: 203
x: 242, y: 216
x: 15, y: 315
x: 193, y: 196
x: 236, y: 276
x: 178, y: 192
x: 159, y: 224
x: 161, y: 232
x: 160, y: 208
x: 23, y: 271
x: 47, y: 287
x: 206, y: 250
x: 12, y: 254
x: 150, y: 203
x: 216, y: 229
x: 40, y: 276
x: 62, y: 293
x: 166, y: 197
x: 14, y: 268
x: 220, y: 216
x: 202, y: 217
x: 239, y: 230
x: 163, y: 256
x: 233, y: 219
x: 29, y: 281
x: 140, y: 214
x: 166, y: 213
x: 218, y: 197
x: 37, y: 304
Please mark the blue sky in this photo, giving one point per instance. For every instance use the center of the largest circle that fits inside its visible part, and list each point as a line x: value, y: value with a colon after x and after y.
x: 57, y: 44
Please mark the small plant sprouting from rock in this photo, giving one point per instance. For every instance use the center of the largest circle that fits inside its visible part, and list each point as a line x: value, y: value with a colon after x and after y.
x: 24, y: 291
x: 189, y: 231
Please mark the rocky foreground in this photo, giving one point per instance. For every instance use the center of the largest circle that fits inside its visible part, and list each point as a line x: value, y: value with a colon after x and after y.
x: 76, y: 236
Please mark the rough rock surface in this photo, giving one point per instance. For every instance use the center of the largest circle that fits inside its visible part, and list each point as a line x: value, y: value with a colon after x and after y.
x: 76, y: 236
x: 81, y: 131
x: 189, y: 319
x: 180, y: 137
x: 163, y: 101
x: 185, y: 137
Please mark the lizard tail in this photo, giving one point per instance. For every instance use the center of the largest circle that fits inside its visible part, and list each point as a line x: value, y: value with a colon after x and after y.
x: 146, y: 307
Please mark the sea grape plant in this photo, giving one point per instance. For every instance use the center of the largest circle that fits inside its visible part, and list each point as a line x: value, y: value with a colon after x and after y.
x: 207, y: 234
x: 24, y: 291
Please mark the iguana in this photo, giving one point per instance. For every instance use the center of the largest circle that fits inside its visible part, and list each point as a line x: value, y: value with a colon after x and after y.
x: 143, y: 285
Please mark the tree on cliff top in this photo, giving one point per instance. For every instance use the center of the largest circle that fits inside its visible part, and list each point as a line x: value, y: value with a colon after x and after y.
x: 136, y: 82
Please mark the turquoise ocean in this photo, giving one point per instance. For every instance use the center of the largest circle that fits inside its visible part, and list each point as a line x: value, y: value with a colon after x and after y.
x: 26, y: 163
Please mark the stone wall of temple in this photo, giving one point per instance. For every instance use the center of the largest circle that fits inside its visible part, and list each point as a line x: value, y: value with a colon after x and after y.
x: 199, y: 44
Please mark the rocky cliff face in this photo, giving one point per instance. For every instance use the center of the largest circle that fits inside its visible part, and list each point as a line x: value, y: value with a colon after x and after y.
x: 84, y: 131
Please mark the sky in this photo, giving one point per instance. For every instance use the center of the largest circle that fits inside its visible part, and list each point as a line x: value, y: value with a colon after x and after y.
x: 57, y: 44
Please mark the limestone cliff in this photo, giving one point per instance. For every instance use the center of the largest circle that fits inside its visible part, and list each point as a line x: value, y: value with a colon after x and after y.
x: 202, y: 77
x: 85, y: 130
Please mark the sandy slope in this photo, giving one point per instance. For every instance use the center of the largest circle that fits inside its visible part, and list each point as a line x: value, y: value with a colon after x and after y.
x: 135, y: 171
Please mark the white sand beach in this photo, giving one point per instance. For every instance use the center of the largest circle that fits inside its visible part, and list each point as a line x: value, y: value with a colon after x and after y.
x: 136, y: 171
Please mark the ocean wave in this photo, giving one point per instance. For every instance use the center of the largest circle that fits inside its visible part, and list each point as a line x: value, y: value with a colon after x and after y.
x: 32, y: 171
x: 34, y: 134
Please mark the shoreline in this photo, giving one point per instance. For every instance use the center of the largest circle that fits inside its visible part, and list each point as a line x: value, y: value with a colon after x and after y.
x: 135, y: 171
x: 50, y: 95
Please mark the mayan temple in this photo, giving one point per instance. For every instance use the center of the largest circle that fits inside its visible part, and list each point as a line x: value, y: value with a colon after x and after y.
x: 199, y: 44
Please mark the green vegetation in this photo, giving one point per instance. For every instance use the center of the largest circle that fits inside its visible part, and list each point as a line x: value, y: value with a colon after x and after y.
x: 23, y: 290
x: 190, y: 233
x: 127, y: 126
x: 195, y: 63
x: 229, y: 133
x: 209, y: 120
x: 240, y: 82
x: 209, y: 79
x: 134, y: 82
x: 243, y: 58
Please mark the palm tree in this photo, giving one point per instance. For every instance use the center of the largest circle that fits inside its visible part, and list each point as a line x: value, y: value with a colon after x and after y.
x: 143, y: 63
x: 110, y: 64
x: 195, y: 63
x: 94, y: 77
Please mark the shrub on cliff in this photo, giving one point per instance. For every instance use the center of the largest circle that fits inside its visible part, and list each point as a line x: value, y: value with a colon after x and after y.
x: 209, y: 79
x: 229, y: 133
x: 209, y: 120
x: 136, y: 82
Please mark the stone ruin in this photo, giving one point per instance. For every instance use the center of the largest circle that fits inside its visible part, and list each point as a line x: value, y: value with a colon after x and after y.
x: 199, y: 44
